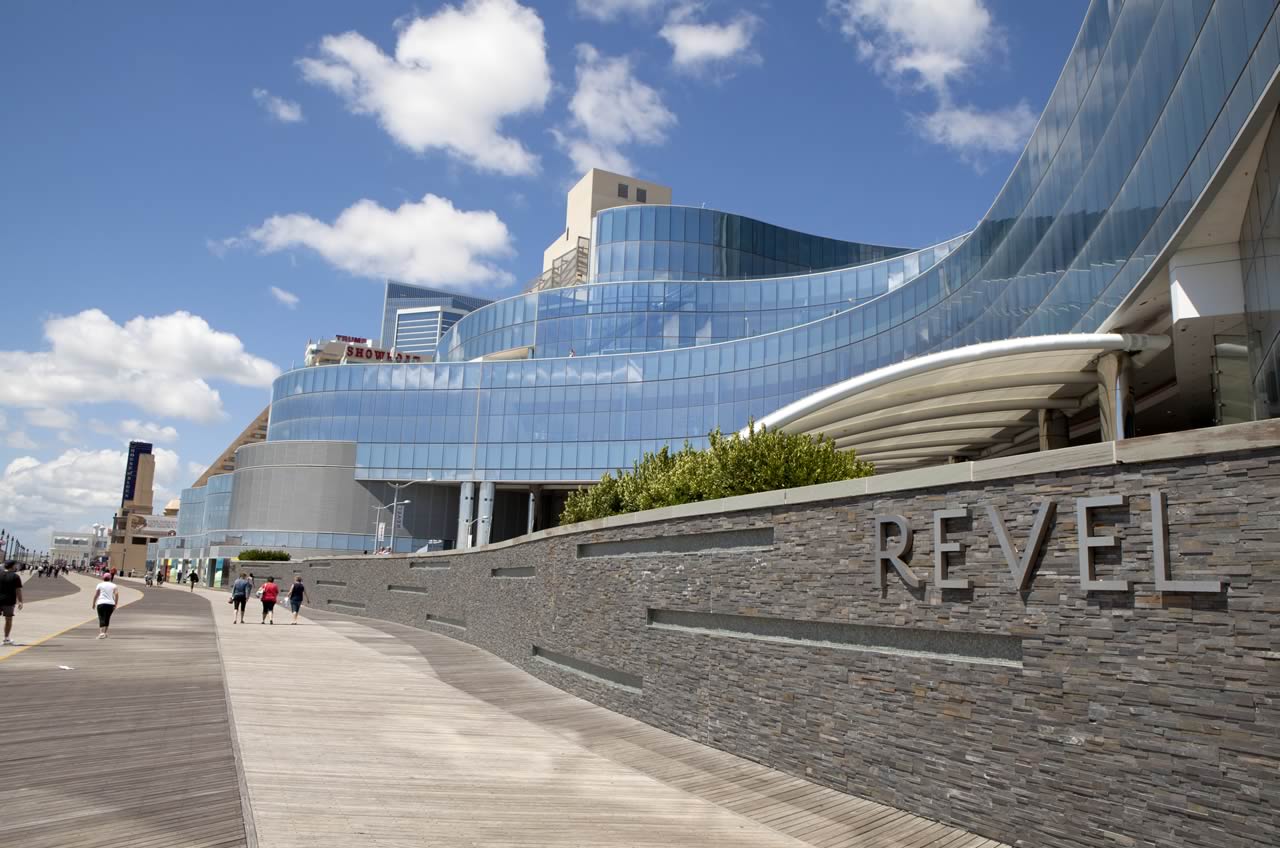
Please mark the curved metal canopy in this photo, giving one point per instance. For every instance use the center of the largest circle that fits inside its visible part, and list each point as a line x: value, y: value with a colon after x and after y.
x: 957, y: 402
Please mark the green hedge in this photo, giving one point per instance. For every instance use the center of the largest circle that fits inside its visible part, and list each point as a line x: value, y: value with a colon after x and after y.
x: 260, y: 555
x: 762, y: 461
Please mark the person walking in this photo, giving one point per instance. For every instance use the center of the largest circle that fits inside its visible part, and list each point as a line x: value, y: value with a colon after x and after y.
x: 194, y: 577
x: 10, y: 596
x: 105, y: 597
x: 240, y: 597
x: 297, y: 594
x: 270, y: 594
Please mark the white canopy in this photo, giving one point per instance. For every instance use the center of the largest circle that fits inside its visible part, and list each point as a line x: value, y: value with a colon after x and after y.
x: 957, y: 402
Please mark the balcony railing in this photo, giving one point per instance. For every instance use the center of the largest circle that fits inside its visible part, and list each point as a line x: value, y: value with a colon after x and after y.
x: 568, y: 269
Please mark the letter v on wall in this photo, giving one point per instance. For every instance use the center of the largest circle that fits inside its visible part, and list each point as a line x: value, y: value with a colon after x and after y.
x: 1021, y: 569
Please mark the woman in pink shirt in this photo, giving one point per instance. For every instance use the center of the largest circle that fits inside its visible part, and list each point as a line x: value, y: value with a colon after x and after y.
x: 270, y: 594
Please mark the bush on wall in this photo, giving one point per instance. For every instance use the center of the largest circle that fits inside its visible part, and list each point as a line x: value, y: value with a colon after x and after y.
x: 260, y: 555
x: 761, y: 461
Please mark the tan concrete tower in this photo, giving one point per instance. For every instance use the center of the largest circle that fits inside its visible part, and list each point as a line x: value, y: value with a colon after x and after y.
x: 128, y: 551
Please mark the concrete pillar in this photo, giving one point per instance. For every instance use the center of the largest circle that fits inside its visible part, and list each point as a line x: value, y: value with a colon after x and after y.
x: 466, y: 503
x: 1206, y: 297
x: 535, y: 494
x: 485, y: 514
x: 1115, y: 395
x: 1055, y: 429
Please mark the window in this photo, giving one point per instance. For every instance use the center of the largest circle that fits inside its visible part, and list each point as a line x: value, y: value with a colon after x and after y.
x: 641, y: 195
x: 623, y: 190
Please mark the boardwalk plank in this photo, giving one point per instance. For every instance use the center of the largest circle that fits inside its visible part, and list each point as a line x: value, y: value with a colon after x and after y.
x: 132, y: 745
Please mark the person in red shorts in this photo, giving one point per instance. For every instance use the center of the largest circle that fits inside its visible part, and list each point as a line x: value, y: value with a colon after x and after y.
x: 270, y: 594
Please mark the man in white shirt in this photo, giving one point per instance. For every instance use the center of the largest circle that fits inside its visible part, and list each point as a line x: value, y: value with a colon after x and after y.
x: 105, y: 596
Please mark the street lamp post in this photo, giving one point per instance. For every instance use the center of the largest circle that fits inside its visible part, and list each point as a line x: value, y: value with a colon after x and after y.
x: 392, y: 506
x: 472, y: 522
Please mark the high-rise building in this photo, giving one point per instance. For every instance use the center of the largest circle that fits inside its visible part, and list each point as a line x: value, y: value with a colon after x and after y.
x: 128, y: 550
x: 414, y: 318
x: 1119, y: 285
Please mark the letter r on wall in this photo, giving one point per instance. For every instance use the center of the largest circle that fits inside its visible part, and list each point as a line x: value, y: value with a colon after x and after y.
x: 894, y: 556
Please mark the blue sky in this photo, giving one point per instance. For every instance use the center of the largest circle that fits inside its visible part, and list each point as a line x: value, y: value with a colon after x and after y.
x: 168, y: 166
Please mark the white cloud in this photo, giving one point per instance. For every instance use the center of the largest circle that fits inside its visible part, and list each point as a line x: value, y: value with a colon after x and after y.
x: 426, y: 242
x: 454, y: 78
x: 925, y: 42
x: 609, y: 10
x: 971, y: 131
x: 285, y: 111
x: 931, y: 45
x: 610, y: 109
x: 19, y: 440
x: 70, y: 487
x: 50, y: 419
x: 698, y: 46
x: 288, y: 298
x: 134, y: 430
x: 161, y: 365
x: 16, y: 439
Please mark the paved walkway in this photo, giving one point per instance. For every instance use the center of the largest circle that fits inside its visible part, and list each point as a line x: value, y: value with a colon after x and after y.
x: 354, y: 732
x: 393, y: 736
x: 48, y: 618
x: 42, y: 588
x: 123, y: 741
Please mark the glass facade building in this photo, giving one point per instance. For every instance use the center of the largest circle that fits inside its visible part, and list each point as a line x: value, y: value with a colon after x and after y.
x: 695, y: 319
x: 415, y: 317
x: 682, y: 243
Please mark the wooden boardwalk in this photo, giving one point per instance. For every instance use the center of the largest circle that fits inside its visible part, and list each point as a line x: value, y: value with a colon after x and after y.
x: 54, y: 607
x: 128, y: 747
x: 435, y: 742
x: 354, y: 732
x: 43, y: 588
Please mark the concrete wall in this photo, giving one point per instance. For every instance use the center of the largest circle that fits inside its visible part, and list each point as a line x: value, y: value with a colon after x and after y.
x: 1054, y: 715
x: 311, y: 486
x: 598, y: 190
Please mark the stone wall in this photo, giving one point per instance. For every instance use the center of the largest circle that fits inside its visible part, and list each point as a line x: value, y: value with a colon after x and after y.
x: 1054, y: 715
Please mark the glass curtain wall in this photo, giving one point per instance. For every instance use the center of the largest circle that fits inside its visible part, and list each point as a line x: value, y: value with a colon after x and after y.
x: 682, y: 243
x: 1260, y: 254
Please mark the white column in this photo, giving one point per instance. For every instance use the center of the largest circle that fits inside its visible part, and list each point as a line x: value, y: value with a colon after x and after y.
x: 485, y: 513
x: 1206, y: 296
x: 1055, y: 430
x: 1115, y: 396
x: 466, y: 503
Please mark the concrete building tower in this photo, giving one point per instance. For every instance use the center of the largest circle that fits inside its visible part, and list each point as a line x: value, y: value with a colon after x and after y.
x: 128, y: 552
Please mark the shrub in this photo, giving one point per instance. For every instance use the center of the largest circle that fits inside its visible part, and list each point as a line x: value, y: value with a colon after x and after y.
x: 761, y: 461
x: 260, y: 555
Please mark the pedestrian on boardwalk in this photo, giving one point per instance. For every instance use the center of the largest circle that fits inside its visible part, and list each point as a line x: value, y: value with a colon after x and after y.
x: 297, y: 594
x: 240, y: 597
x: 194, y: 578
x: 270, y: 594
x: 105, y: 596
x: 10, y: 596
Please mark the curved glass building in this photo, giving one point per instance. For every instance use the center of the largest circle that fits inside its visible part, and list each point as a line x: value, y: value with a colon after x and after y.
x: 1143, y: 195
